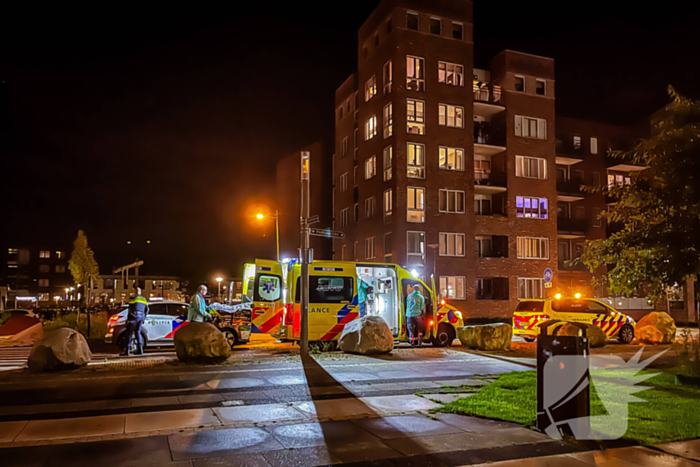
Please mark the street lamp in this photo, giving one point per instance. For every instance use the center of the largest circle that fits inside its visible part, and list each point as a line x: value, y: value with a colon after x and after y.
x: 219, y: 279
x: 261, y: 216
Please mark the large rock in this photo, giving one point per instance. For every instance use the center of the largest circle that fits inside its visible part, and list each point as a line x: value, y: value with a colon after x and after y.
x: 367, y: 336
x: 596, y: 336
x: 486, y: 336
x: 61, y: 349
x: 656, y: 328
x: 201, y: 343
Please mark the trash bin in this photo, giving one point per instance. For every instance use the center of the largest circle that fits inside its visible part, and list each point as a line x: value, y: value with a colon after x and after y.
x: 563, y: 382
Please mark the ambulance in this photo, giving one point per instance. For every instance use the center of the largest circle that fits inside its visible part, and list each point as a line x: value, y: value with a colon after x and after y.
x: 531, y: 312
x: 333, y: 300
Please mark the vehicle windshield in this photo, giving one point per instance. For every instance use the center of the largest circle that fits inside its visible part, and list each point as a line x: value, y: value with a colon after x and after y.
x: 530, y: 306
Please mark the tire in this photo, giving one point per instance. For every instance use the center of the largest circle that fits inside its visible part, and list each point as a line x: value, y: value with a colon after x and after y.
x: 231, y: 337
x: 445, y: 335
x: 529, y: 339
x: 626, y: 334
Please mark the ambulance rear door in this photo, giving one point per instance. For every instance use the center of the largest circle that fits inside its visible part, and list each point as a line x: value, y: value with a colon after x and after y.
x: 407, y: 283
x: 268, y: 305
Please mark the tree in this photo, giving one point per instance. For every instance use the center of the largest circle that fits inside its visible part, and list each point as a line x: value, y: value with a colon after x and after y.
x: 659, y: 244
x: 82, y: 263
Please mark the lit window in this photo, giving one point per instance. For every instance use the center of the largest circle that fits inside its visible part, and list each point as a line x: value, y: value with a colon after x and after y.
x: 450, y: 73
x: 415, y: 74
x: 415, y: 117
x: 533, y: 248
x: 370, y: 204
x: 344, y: 182
x: 369, y: 248
x: 412, y: 21
x: 531, y: 167
x: 577, y: 142
x: 452, y: 201
x: 370, y: 167
x: 520, y: 83
x: 388, y: 157
x: 528, y: 127
x: 12, y: 251
x: 530, y: 288
x: 388, y: 77
x: 435, y: 26
x: 415, y: 248
x: 371, y: 88
x: 451, y: 158
x: 594, y: 145
x: 59, y: 255
x: 535, y: 208
x: 388, y: 204
x: 44, y: 254
x: 540, y: 87
x: 388, y: 120
x: 482, y: 169
x: 451, y: 244
x: 452, y: 287
x: 451, y: 116
x: 371, y: 128
x: 415, y: 205
x: 415, y: 161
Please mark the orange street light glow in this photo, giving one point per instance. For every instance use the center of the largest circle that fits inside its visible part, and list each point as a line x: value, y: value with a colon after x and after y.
x: 557, y: 296
x: 578, y: 295
x: 260, y: 216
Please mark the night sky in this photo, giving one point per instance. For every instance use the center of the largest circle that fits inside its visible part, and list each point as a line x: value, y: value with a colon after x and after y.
x: 164, y: 124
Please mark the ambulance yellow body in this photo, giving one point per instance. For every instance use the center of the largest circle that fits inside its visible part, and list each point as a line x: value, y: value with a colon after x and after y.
x: 333, y: 300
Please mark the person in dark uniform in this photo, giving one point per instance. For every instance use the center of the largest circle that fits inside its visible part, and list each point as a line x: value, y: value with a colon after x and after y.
x: 138, y: 310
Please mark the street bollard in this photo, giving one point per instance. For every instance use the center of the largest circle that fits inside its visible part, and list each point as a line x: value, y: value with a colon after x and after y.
x: 563, y: 382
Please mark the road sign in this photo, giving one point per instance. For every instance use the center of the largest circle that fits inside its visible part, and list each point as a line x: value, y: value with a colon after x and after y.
x: 548, y: 275
x: 328, y: 233
x: 547, y: 285
x: 313, y: 220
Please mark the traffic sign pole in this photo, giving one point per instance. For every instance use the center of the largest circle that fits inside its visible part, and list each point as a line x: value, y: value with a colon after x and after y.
x: 305, y: 192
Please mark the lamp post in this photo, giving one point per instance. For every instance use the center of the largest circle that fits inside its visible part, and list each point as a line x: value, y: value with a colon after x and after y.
x: 261, y: 216
x: 219, y: 279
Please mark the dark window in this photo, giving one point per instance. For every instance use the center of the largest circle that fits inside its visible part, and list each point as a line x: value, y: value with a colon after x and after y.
x: 177, y: 310
x: 435, y: 26
x: 595, y: 307
x: 158, y: 309
x: 540, y: 87
x: 327, y: 289
x: 412, y: 21
x: 492, y: 288
x: 457, y: 31
x: 519, y: 83
x: 388, y: 27
x: 568, y: 305
x: 531, y: 306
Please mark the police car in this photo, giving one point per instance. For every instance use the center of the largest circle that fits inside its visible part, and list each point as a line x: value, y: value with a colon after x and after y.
x: 164, y: 318
x: 532, y: 312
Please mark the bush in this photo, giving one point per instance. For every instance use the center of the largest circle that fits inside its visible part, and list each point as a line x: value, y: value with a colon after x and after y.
x: 98, y: 324
x: 688, y: 350
x: 4, y: 317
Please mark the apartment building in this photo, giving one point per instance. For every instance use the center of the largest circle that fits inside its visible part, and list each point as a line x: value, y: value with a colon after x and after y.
x: 445, y: 168
x: 35, y: 276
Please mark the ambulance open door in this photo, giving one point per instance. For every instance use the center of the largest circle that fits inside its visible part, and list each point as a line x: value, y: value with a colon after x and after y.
x: 268, y: 304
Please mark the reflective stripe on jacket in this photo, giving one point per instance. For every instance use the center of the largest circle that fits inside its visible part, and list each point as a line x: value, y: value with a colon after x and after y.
x: 138, y: 307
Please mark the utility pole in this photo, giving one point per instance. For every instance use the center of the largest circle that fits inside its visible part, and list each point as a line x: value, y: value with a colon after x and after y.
x: 305, y: 192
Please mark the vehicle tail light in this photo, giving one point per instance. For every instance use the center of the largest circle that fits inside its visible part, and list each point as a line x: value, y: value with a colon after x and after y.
x: 114, y: 318
x: 431, y: 323
x: 289, y: 314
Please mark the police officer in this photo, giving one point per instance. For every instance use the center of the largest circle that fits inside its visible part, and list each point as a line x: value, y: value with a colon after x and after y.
x: 138, y: 310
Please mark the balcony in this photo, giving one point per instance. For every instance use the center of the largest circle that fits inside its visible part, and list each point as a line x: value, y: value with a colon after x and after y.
x: 489, y: 182
x: 571, y: 228
x: 569, y: 190
x: 487, y: 100
x: 488, y: 141
x: 564, y: 266
x: 567, y: 153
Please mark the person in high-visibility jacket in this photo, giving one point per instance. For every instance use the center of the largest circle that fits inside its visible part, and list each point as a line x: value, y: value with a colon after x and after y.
x: 198, y: 310
x: 138, y: 310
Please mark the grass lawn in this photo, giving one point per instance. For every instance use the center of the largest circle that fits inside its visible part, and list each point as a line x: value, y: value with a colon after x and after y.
x: 672, y: 412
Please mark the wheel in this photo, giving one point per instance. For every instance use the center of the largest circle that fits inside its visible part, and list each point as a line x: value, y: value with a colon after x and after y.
x: 529, y: 339
x: 445, y: 335
x: 230, y: 336
x: 124, y: 337
x: 626, y: 334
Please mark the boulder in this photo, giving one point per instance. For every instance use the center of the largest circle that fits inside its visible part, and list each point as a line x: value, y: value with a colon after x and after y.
x: 486, y: 336
x: 656, y: 328
x: 201, y: 343
x: 367, y: 336
x: 596, y: 336
x: 61, y: 349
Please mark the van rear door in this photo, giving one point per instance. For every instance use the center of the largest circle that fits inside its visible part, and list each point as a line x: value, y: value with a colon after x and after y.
x: 268, y: 305
x: 407, y: 283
